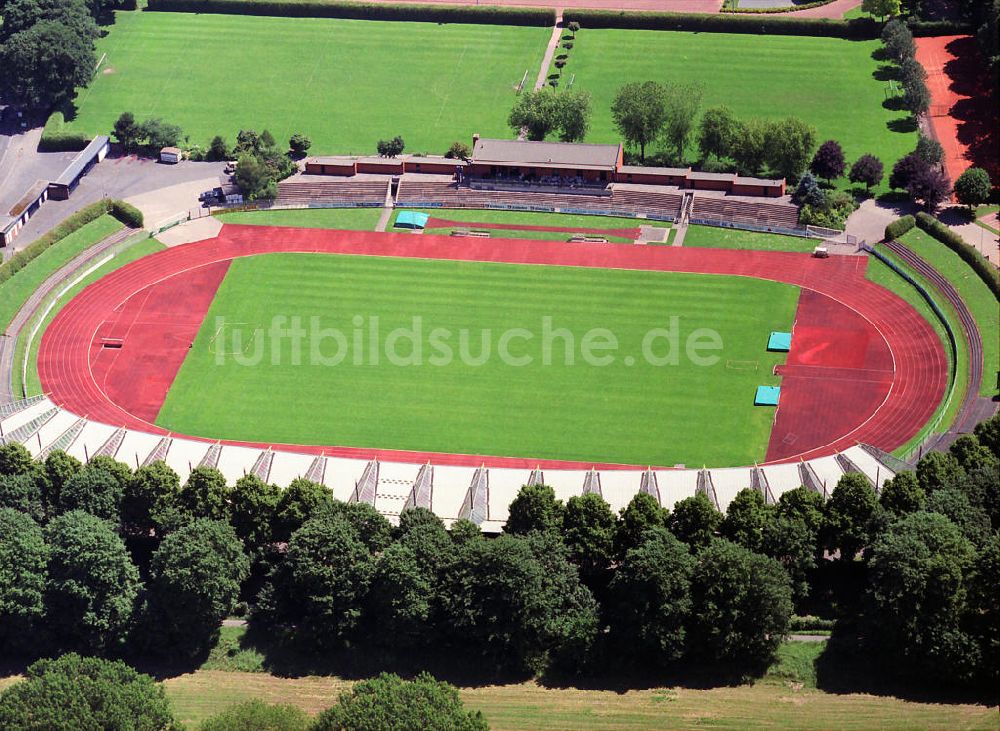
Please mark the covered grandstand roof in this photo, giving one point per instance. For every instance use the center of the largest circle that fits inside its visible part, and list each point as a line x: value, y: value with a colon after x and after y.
x: 639, y: 169
x: 546, y: 154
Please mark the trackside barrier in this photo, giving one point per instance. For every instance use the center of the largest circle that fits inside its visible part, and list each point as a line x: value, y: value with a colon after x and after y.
x: 800, y: 232
x: 916, y: 451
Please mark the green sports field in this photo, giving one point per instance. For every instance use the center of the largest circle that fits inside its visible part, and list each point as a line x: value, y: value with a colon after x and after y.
x: 343, y: 83
x: 828, y: 82
x: 636, y: 414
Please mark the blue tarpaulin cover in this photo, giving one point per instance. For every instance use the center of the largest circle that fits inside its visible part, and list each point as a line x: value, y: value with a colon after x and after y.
x: 767, y: 396
x: 779, y: 341
x: 411, y: 219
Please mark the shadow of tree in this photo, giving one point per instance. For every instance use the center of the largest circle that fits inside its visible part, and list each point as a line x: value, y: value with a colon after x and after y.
x: 902, y: 124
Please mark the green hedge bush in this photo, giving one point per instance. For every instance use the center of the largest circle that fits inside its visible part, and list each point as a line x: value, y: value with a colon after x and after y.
x: 56, y: 138
x: 860, y: 28
x: 782, y: 9
x: 363, y: 11
x: 124, y: 212
x: 980, y: 264
x: 899, y: 227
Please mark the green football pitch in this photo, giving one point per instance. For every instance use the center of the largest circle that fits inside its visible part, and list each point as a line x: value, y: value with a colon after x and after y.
x: 566, y: 406
x: 343, y: 83
x: 828, y: 82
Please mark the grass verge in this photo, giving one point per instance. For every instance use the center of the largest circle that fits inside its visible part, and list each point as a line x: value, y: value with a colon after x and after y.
x: 348, y: 219
x: 734, y: 238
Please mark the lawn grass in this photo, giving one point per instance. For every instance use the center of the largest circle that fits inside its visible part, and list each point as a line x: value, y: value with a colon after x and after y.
x: 527, y: 218
x: 343, y: 83
x: 638, y: 414
x: 514, y: 233
x: 827, y: 82
x: 16, y: 290
x: 977, y: 296
x: 348, y: 219
x: 786, y: 697
x: 734, y: 238
x: 141, y: 246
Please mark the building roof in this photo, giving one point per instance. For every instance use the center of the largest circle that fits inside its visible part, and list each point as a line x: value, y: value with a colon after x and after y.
x: 171, y: 151
x: 33, y: 194
x: 763, y: 182
x: 332, y: 160
x: 376, y: 160
x: 546, y: 154
x: 642, y: 170
x: 727, y: 177
x: 80, y: 162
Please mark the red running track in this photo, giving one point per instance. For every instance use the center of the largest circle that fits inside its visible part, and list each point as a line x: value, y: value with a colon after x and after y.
x: 71, y: 374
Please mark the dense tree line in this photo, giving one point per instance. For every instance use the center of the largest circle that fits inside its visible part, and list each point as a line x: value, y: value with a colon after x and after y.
x: 104, y: 560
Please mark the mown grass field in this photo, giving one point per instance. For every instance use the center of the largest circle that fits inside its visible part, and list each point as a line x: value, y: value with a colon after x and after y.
x: 16, y: 290
x: 827, y: 82
x: 636, y: 414
x: 343, y: 83
x: 33, y: 386
x: 734, y: 238
x: 528, y: 218
x: 348, y: 219
x: 787, y: 697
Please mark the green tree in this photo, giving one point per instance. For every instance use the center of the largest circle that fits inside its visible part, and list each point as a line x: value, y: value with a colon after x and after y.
x: 574, y: 115
x: 848, y: 516
x: 972, y: 520
x: 804, y: 504
x: 369, y: 524
x: 808, y: 192
x: 651, y: 600
x: 641, y: 514
x: 717, y: 133
x: 972, y: 455
x: 516, y: 612
x: 20, y: 15
x: 987, y: 432
x: 881, y: 8
x: 206, y: 494
x: 902, y: 495
x: 299, y: 501
x: 695, y: 521
x: 929, y: 150
x: 93, y: 491
x: 43, y: 65
x: 92, y: 584
x: 22, y: 492
x: 74, y: 692
x: 150, y: 500
x: 936, y: 470
x: 119, y: 470
x: 59, y: 467
x: 973, y: 187
x: 749, y: 148
x: 746, y: 519
x: 127, y: 131
x: 15, y: 459
x: 916, y: 96
x: 640, y: 113
x: 299, y: 144
x: 322, y: 585
x: 195, y: 578
x: 218, y: 149
x: 23, y: 561
x: 158, y: 134
x: 253, y: 177
x: 403, y: 597
x: 791, y: 542
x: 256, y: 715
x: 458, y: 151
x: 589, y: 532
x: 535, y: 507
x: 682, y: 104
x: 898, y: 40
x: 742, y: 606
x: 536, y: 111
x: 254, y: 507
x: 415, y: 518
x: 462, y: 531
x: 984, y: 609
x: 391, y: 148
x: 388, y: 703
x: 788, y: 146
x: 918, y: 591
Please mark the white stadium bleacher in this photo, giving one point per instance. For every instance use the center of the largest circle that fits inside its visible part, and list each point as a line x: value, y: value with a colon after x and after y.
x: 452, y: 492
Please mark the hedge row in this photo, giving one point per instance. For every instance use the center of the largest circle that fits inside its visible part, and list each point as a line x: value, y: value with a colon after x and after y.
x: 860, y: 28
x: 62, y: 141
x: 986, y: 271
x: 779, y: 9
x: 124, y: 212
x: 364, y: 11
x: 899, y: 227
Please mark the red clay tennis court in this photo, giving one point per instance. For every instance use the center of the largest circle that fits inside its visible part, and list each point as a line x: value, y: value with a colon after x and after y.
x: 864, y: 366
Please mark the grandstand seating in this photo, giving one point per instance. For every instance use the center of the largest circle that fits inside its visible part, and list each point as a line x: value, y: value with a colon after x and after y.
x: 734, y: 210
x: 296, y: 191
